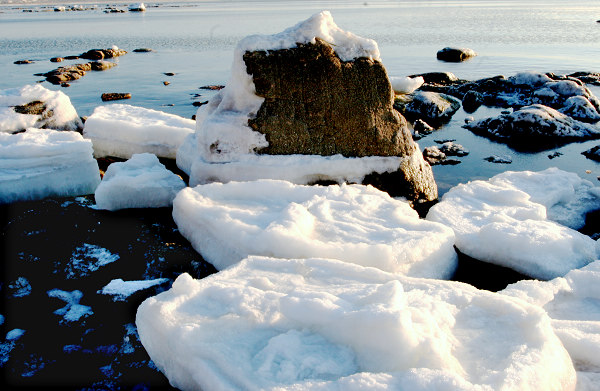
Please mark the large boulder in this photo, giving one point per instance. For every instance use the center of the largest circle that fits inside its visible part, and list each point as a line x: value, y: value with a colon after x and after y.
x: 313, y: 93
x: 431, y: 106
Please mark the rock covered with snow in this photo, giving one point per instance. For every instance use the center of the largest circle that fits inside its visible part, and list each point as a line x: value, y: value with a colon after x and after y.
x: 316, y: 324
x: 580, y: 108
x: 141, y: 182
x: 353, y: 223
x: 34, y: 106
x: 431, y: 106
x: 342, y: 105
x: 532, y: 127
x: 450, y: 54
x: 121, y: 290
x: 573, y: 304
x: 40, y: 163
x: 593, y: 153
x: 123, y: 130
x: 523, y: 220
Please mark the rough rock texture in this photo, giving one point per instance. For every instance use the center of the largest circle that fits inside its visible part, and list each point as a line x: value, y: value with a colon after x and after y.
x: 35, y: 107
x: 115, y: 96
x: 101, y: 54
x: 432, y: 106
x: 455, y: 54
x: 316, y: 104
x: 73, y: 72
x: 592, y: 153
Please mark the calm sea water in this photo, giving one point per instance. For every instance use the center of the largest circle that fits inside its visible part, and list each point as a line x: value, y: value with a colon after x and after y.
x: 195, y: 40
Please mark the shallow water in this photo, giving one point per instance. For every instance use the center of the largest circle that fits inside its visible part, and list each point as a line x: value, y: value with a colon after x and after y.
x: 195, y: 40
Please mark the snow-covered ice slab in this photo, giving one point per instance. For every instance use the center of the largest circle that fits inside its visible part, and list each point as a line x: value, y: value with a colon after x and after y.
x: 315, y: 324
x: 298, y: 169
x: 55, y: 110
x: 42, y: 163
x: 352, y: 223
x: 122, y: 130
x: 573, y: 304
x: 141, y: 182
x: 523, y: 220
x: 121, y: 290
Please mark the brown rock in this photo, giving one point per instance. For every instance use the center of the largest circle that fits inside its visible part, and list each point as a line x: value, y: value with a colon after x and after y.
x: 317, y: 104
x: 21, y: 62
x: 116, y: 96
x: 102, y: 65
x: 35, y: 107
x: 212, y: 87
x: 101, y: 54
x: 57, y: 59
x: 166, y: 83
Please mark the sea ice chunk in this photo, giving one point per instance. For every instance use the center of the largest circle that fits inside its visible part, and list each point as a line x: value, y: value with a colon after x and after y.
x: 573, y: 304
x: 514, y: 220
x: 72, y: 311
x: 41, y: 163
x: 121, y: 290
x: 122, y: 130
x: 353, y: 223
x: 316, y: 324
x: 140, y: 182
x: 55, y: 110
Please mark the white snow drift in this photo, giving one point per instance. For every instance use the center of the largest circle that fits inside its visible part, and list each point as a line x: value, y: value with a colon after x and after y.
x: 41, y: 163
x: 222, y: 133
x: 314, y: 324
x: 352, y: 223
x: 59, y: 113
x: 515, y: 218
x: 122, y: 130
x: 140, y: 182
x: 573, y: 304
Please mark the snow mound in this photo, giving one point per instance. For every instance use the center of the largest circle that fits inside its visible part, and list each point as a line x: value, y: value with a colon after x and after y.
x: 406, y: 85
x: 514, y: 220
x: 315, y: 324
x: 42, y: 163
x: 573, y: 304
x: 122, y: 130
x: 533, y: 79
x: 352, y: 223
x: 55, y: 110
x: 222, y: 131
x: 72, y: 311
x: 140, y: 182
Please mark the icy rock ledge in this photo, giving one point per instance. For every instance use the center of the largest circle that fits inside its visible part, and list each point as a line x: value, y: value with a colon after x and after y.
x: 315, y: 324
x: 353, y: 223
x: 525, y: 221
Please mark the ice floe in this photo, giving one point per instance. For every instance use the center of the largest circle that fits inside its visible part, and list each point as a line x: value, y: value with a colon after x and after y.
x: 40, y: 163
x: 72, y: 311
x: 523, y: 220
x: 316, y: 324
x: 353, y: 223
x: 34, y: 106
x: 123, y: 130
x: 121, y: 290
x: 88, y: 258
x: 573, y: 304
x: 140, y: 182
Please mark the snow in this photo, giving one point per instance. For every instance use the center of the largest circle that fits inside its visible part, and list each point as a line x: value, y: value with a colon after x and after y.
x: 20, y: 287
x: 354, y: 223
x: 14, y: 334
x: 406, y: 85
x: 573, y: 304
x: 140, y: 182
x: 298, y: 169
x: 121, y: 290
x: 534, y: 79
x: 59, y: 113
x: 87, y: 259
x: 523, y: 220
x: 41, y: 163
x: 123, y: 130
x: 222, y: 131
x: 72, y: 311
x: 580, y: 108
x: 317, y: 324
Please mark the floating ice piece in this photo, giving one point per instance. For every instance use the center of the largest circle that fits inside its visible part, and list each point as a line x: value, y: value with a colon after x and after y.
x: 14, y: 334
x: 140, y: 182
x: 315, y: 324
x: 573, y: 304
x: 514, y: 220
x: 87, y: 259
x: 42, y: 163
x: 122, y: 130
x: 121, y: 290
x: 72, y: 311
x: 406, y: 85
x: 20, y: 287
x: 53, y: 109
x: 352, y: 223
x: 222, y: 124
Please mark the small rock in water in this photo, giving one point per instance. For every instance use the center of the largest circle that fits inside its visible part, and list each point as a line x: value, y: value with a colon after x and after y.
x: 588, y: 171
x: 198, y: 104
x: 57, y: 59
x: 455, y: 54
x: 116, y: 96
x: 166, y: 83
x: 169, y: 74
x: 65, y: 85
x: 444, y: 141
x: 593, y: 153
x: 554, y: 155
x: 212, y: 87
x: 20, y: 62
x: 499, y: 159
x: 143, y: 50
x: 71, y: 57
x: 421, y: 128
x: 472, y: 100
x: 452, y: 149
x: 469, y: 119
